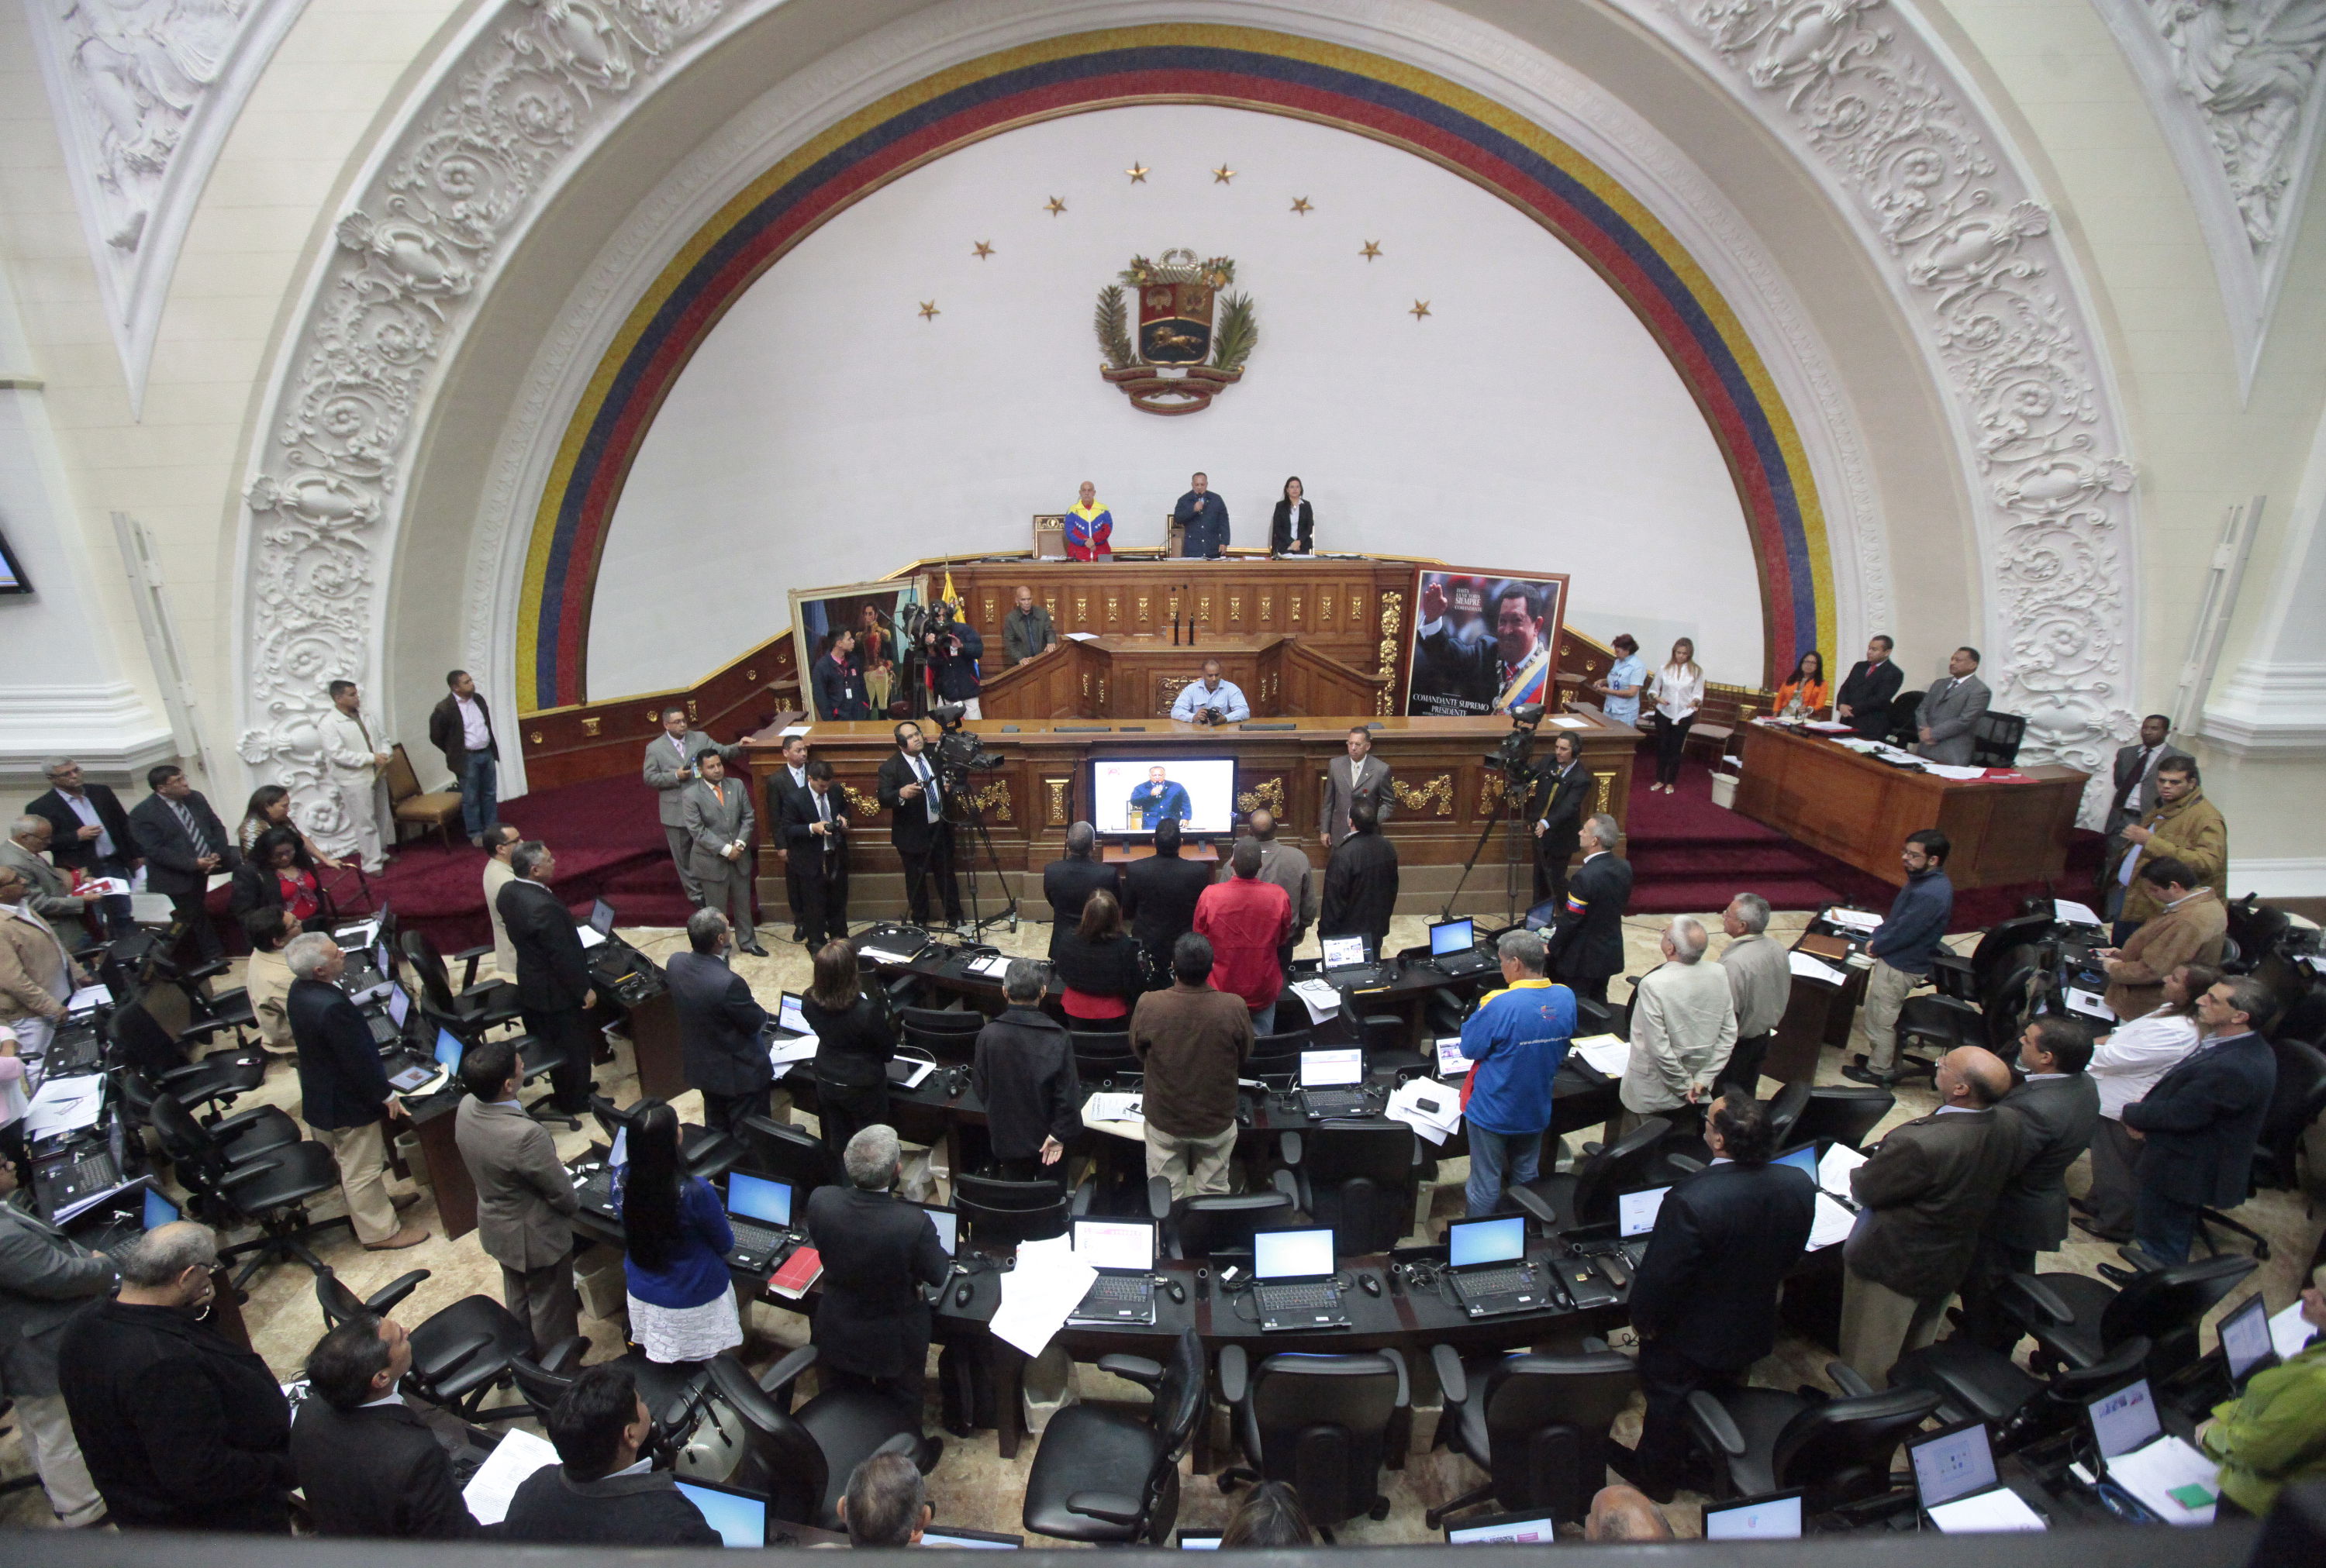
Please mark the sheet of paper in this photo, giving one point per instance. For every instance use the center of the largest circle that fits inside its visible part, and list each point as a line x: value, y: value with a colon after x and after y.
x: 65, y: 1105
x: 1604, y: 1054
x: 1832, y: 1225
x: 1854, y: 919
x: 2073, y: 913
x: 783, y: 1052
x: 103, y: 886
x: 2288, y: 1331
x: 97, y: 995
x: 1081, y: 637
x: 2152, y: 1471
x: 590, y: 937
x: 1827, y: 726
x: 881, y: 955
x: 1810, y: 967
x: 1833, y: 1170
x: 992, y: 965
x: 1436, y: 1126
x: 920, y: 1070
x: 2089, y: 1005
x: 2000, y: 1510
x: 1321, y: 999
x: 488, y: 1491
x: 1950, y: 770
x: 1047, y: 1283
x: 1569, y: 722
x: 1113, y: 1107
x: 152, y: 908
x: 82, y: 1205
x: 788, y: 730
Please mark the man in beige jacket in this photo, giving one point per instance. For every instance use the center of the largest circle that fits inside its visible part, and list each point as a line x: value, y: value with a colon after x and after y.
x: 524, y: 1199
x: 1683, y: 1028
x: 500, y: 842
x: 37, y: 975
x: 2189, y: 929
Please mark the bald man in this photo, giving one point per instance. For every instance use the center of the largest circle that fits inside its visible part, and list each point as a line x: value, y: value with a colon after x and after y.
x: 1925, y: 1193
x: 1625, y: 1514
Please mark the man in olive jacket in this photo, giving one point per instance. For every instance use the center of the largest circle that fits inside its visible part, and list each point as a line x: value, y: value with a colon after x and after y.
x: 45, y: 1278
x: 2184, y: 825
x: 1926, y: 1193
x: 525, y: 1200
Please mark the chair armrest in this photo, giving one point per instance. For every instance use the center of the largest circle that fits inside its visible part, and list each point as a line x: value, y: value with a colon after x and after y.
x: 1944, y: 959
x: 776, y: 1378
x: 383, y: 1300
x: 907, y: 1443
x: 1683, y: 1162
x: 1236, y: 1374
x: 2141, y: 1262
x: 1404, y: 1383
x: 1286, y: 1182
x: 1846, y: 1378
x: 459, y: 1356
x: 169, y: 1077
x: 1533, y: 1204
x: 226, y: 1127
x: 470, y: 956
x: 1159, y: 1198
x: 1290, y: 1145
x: 1114, y: 1507
x: 248, y: 1174
x: 1450, y: 1376
x: 716, y: 1158
x: 1143, y: 1371
x: 1080, y: 1204
x: 2024, y: 1293
x: 203, y: 971
x: 1712, y: 1421
x: 564, y: 1357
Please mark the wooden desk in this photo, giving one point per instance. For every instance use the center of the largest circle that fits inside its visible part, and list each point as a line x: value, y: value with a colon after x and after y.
x: 1859, y: 811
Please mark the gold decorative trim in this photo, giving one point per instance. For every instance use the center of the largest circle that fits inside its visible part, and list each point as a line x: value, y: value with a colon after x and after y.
x: 1490, y: 794
x: 1203, y: 607
x: 1235, y: 609
x: 535, y: 737
x: 994, y: 798
x: 1082, y: 612
x: 1058, y: 788
x: 1268, y: 793
x: 1324, y: 607
x: 859, y: 803
x: 1438, y: 794
x: 1086, y: 681
x: 1606, y: 782
x: 1392, y: 615
x: 1267, y: 609
x: 1113, y: 610
x: 1144, y: 600
x: 589, y: 726
x: 1296, y: 606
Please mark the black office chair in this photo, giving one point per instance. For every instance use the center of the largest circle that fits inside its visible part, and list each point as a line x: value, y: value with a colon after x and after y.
x: 535, y: 1059
x: 1974, y: 1383
x: 1837, y: 1451
x: 2295, y: 1103
x: 484, y: 1007
x: 1905, y: 727
x: 1840, y: 1113
x: 137, y: 1040
x: 2008, y: 945
x: 1536, y: 1426
x: 1358, y: 1177
x: 192, y: 1016
x: 789, y: 1153
x: 1104, y: 1476
x: 1785, y: 1110
x: 269, y: 1191
x: 1209, y: 1224
x: 1275, y: 1059
x: 1995, y: 738
x: 708, y: 1154
x: 1385, y: 1037
x: 542, y: 1383
x: 947, y: 1034
x: 1101, y: 1055
x: 2080, y: 1322
x: 1003, y: 1213
x: 1324, y: 1424
x: 240, y: 1136
x: 458, y: 1355
x: 800, y: 1460
x: 1587, y: 1194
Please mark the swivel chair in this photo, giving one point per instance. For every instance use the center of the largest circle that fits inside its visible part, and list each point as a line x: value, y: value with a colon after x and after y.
x: 1325, y: 1424
x: 2079, y: 1322
x: 535, y: 1058
x: 1275, y: 1059
x: 1537, y: 1425
x: 1785, y: 1110
x: 1974, y: 1383
x: 269, y: 1191
x: 1104, y: 1475
x: 789, y: 1153
x: 541, y: 1383
x: 483, y: 1006
x: 1839, y: 1112
x: 1358, y: 1177
x: 1099, y: 1055
x: 240, y: 1137
x: 1004, y: 1213
x: 1837, y: 1451
x: 705, y: 1152
x: 801, y: 1459
x: 458, y: 1355
x: 1587, y: 1194
x: 137, y: 1040
x: 947, y: 1033
x: 1211, y: 1223
x: 1995, y: 738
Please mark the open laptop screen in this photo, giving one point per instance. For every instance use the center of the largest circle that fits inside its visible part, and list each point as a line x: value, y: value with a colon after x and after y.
x: 741, y: 1520
x: 1500, y: 1240
x: 399, y: 1005
x: 2124, y: 1420
x: 1509, y: 1529
x: 1635, y: 1212
x: 1292, y: 1253
x: 1952, y: 1464
x: 757, y: 1198
x: 1121, y: 1244
x: 1451, y: 1063
x: 448, y: 1050
x: 602, y: 917
x: 159, y: 1211
x: 1452, y: 936
x: 948, y: 1224
x: 1344, y: 952
x: 1803, y: 1159
x: 2244, y: 1337
x: 1332, y: 1068
x: 1775, y: 1517
x: 789, y: 1019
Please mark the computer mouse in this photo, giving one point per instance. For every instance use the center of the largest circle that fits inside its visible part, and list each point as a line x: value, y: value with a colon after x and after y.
x: 1370, y: 1286
x: 961, y: 1292
x: 1179, y: 1291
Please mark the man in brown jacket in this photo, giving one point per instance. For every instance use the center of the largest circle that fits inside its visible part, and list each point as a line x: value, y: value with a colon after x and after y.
x: 2188, y: 929
x: 2185, y: 826
x: 1193, y: 1039
x: 37, y: 975
x: 1924, y: 1195
x: 524, y: 1199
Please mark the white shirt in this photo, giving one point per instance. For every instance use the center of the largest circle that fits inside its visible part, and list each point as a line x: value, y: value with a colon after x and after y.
x: 1677, y: 692
x: 2128, y: 1063
x: 475, y: 733
x: 86, y: 810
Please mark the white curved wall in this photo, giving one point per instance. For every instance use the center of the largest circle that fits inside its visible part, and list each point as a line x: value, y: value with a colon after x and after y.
x: 824, y: 431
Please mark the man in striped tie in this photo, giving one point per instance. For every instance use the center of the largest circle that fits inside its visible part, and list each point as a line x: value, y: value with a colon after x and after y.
x: 184, y: 845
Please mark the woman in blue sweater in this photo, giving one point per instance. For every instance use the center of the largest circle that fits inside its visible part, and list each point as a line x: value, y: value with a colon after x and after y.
x: 682, y: 1297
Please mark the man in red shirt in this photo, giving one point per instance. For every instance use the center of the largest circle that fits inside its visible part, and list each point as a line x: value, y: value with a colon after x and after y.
x: 1246, y: 920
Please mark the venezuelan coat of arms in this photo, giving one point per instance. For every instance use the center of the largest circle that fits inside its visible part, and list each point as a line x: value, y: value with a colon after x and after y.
x: 1193, y: 337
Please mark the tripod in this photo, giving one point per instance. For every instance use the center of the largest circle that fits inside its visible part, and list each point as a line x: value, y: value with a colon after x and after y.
x: 1518, y: 788
x: 957, y: 788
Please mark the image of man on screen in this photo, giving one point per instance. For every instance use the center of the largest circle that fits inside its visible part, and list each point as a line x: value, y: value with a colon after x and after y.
x: 1482, y: 673
x: 1160, y: 799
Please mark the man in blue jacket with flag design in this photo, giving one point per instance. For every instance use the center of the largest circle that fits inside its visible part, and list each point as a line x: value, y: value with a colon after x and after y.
x: 1514, y: 1042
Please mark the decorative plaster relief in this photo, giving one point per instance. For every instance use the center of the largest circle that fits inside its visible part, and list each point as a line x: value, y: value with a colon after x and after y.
x: 144, y: 93
x: 1915, y: 162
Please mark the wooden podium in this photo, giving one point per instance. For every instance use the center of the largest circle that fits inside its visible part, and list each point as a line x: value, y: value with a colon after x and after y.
x: 1141, y: 676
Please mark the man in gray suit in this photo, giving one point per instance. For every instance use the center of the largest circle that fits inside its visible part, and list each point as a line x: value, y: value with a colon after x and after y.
x: 2058, y: 1108
x: 45, y: 1279
x: 716, y: 812
x: 2134, y: 779
x: 1950, y: 709
x: 27, y: 850
x: 1288, y: 869
x: 525, y: 1200
x: 669, y: 769
x: 1362, y: 776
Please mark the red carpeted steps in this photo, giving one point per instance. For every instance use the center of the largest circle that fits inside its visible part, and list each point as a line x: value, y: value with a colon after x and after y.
x: 1691, y: 856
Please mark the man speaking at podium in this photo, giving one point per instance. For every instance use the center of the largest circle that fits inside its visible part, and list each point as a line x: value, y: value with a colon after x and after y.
x: 1160, y: 800
x: 1203, y: 519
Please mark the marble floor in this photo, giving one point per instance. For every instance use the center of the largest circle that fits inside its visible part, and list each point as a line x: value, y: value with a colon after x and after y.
x: 973, y: 1487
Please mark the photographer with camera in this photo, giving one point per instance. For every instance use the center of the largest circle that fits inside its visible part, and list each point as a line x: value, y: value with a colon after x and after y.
x: 953, y: 649
x: 1211, y: 700
x: 911, y: 792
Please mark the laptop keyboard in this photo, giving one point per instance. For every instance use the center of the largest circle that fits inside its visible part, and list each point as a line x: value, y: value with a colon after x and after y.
x: 1336, y: 1101
x: 750, y: 1237
x: 1485, y: 1282
x: 1120, y: 1290
x: 1297, y: 1298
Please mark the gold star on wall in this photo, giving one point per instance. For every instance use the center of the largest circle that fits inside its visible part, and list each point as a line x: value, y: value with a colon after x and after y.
x: 1138, y: 172
x: 984, y: 249
x: 1371, y: 250
x: 1421, y: 308
x: 1300, y: 205
x: 929, y: 309
x: 1222, y: 174
x: 1054, y: 206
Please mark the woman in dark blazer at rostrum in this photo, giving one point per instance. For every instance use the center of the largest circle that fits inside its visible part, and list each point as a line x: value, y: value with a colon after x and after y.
x: 855, y: 1036
x: 1293, y: 529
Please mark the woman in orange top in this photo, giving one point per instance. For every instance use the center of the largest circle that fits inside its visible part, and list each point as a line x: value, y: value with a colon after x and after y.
x: 1806, y: 685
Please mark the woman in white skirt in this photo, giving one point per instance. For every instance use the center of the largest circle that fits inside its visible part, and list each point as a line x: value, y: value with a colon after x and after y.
x: 682, y: 1298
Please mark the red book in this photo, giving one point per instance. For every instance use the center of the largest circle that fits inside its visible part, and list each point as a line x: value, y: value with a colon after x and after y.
x: 802, y: 1269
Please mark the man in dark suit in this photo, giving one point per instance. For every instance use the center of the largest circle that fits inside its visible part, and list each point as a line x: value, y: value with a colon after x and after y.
x: 461, y: 728
x: 1361, y: 882
x: 872, y: 1326
x: 368, y: 1464
x: 88, y: 832
x: 553, y: 974
x: 2058, y: 1108
x: 593, y: 1496
x: 784, y: 780
x: 1068, y: 884
x: 183, y: 843
x: 1864, y: 701
x: 814, y: 833
x: 915, y: 796
x: 718, y: 1026
x: 343, y: 1091
x: 2197, y: 1126
x: 1924, y: 1195
x: 1160, y: 895
x: 1203, y: 519
x: 1565, y: 791
x: 1586, y: 941
x: 2134, y: 780
x: 1705, y: 1300
x: 952, y: 648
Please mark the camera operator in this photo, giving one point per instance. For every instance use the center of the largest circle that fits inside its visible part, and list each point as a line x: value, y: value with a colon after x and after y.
x: 912, y: 792
x: 1211, y: 700
x: 953, y: 649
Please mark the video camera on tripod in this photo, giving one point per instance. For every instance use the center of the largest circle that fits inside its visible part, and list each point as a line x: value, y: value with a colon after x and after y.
x: 959, y: 753
x: 1513, y: 758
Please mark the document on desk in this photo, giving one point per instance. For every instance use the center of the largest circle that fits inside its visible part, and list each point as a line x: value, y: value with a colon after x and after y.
x: 1810, y: 967
x: 788, y: 730
x: 1833, y: 1223
x: 1430, y: 1109
x: 1951, y: 771
x: 2075, y: 914
x: 1853, y: 919
x: 519, y: 1455
x: 590, y: 937
x: 1113, y: 1107
x: 2290, y: 1331
x: 1833, y: 1171
x: 2163, y: 1472
x: 1048, y: 1283
x: 1569, y: 722
x: 881, y: 955
x: 795, y: 1048
x: 991, y: 966
x: 97, y: 995
x: 1608, y: 1055
x: 2000, y: 1510
x: 65, y: 1105
x: 1321, y: 999
x: 2089, y: 1005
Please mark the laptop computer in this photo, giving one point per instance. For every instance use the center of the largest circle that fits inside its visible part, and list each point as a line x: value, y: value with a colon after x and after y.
x: 1348, y: 961
x: 1293, y: 1274
x: 1505, y: 1530
x: 1329, y: 1083
x: 1123, y: 1253
x: 2165, y: 1476
x: 73, y: 1048
x: 1803, y: 1159
x: 1487, y: 1260
x: 1636, y: 1220
x: 419, y: 1070
x: 1194, y: 1540
x: 1452, y: 1065
x: 948, y: 1226
x: 975, y: 1540
x: 2246, y: 1347
x: 740, y: 1517
x: 388, y: 1024
x: 1955, y: 1481
x: 1454, y: 948
x: 593, y: 1182
x: 1770, y: 1516
x: 759, y: 1212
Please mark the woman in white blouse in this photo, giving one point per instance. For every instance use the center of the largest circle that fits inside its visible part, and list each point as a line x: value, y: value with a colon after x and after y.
x: 2125, y: 1065
x: 1679, y: 691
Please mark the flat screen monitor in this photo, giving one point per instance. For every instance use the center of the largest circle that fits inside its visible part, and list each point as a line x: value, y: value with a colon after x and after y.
x: 1803, y: 1159
x: 1344, y: 952
x: 1500, y: 1240
x: 1952, y: 1464
x: 948, y: 1224
x: 789, y: 1017
x: 1292, y: 1253
x: 602, y: 917
x: 1519, y: 1529
x: 1452, y: 936
x: 1451, y: 1063
x: 2245, y: 1338
x: 740, y: 1519
x: 1635, y: 1212
x: 1199, y: 1540
x: 449, y: 1049
x: 1131, y: 797
x: 974, y: 1540
x: 1774, y: 1517
x: 160, y: 1211
x: 750, y: 1197
x: 399, y: 1005
x: 2124, y: 1420
x: 1127, y: 1244
x: 1333, y: 1068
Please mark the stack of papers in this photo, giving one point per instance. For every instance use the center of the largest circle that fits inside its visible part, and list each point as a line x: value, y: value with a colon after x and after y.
x: 1429, y: 1107
x: 488, y: 1491
x: 881, y: 955
x: 1853, y: 919
x: 990, y: 966
x: 788, y: 730
x: 798, y: 1048
x: 1322, y: 1000
x: 2000, y: 1510
x: 1827, y: 726
x: 1832, y: 1225
x: 88, y: 997
x: 2171, y: 1480
x: 1048, y: 1283
x: 1607, y: 1054
x: 1810, y: 967
x: 1950, y: 770
x: 2073, y: 913
x: 1113, y: 1107
x: 590, y: 937
x: 64, y: 1105
x: 1833, y: 1171
x: 1569, y: 722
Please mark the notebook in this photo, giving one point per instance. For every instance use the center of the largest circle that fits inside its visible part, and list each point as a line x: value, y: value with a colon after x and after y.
x: 1454, y: 948
x: 1295, y: 1287
x: 1123, y: 1253
x: 739, y: 1517
x: 759, y: 1212
x: 2162, y: 1474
